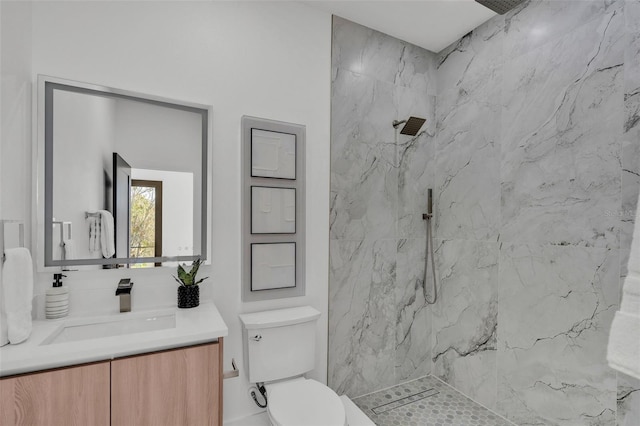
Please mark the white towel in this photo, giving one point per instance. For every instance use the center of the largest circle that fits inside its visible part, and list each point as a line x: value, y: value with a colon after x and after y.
x: 4, y: 331
x: 107, y: 240
x: 623, y: 352
x: 17, y: 293
x: 624, y: 344
x: 631, y: 294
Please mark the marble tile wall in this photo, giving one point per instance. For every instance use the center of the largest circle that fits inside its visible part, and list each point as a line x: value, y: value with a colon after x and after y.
x: 628, y: 392
x: 533, y: 150
x: 379, y: 323
x: 538, y: 171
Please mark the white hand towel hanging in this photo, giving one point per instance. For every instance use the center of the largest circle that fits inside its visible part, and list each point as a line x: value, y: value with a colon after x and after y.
x: 17, y: 293
x: 107, y: 235
x: 4, y: 331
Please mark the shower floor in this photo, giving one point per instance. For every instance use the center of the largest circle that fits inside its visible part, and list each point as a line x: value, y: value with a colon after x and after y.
x: 426, y: 402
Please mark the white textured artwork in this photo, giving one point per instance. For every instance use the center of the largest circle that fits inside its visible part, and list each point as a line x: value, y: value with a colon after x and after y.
x: 273, y: 154
x: 273, y: 266
x: 273, y: 210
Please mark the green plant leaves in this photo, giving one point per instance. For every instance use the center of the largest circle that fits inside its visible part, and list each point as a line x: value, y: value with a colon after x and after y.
x: 189, y: 278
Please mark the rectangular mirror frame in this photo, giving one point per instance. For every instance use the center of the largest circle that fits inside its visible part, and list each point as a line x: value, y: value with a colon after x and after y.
x: 43, y: 156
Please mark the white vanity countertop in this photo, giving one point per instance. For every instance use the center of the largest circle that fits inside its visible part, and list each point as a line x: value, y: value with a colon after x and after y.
x: 192, y: 326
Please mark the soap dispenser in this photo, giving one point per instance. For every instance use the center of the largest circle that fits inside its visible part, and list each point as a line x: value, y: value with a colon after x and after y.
x: 57, y: 302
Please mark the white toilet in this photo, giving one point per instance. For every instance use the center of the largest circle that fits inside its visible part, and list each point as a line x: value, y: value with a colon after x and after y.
x: 280, y: 346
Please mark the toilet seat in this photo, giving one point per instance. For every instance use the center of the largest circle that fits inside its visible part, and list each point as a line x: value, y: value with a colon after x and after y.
x: 305, y: 403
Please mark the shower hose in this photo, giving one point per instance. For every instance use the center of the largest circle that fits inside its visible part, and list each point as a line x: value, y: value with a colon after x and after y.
x: 428, y: 253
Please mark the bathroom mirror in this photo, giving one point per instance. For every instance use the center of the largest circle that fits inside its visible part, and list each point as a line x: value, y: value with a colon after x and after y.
x: 123, y: 178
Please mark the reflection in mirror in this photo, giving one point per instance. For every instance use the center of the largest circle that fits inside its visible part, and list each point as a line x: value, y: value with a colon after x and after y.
x: 125, y: 178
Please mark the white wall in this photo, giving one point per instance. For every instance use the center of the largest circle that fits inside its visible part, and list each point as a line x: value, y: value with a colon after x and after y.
x: 15, y: 105
x: 265, y: 59
x: 15, y: 113
x: 15, y: 108
x: 84, y: 142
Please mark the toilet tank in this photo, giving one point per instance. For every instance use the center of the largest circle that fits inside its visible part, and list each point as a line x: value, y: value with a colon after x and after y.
x: 279, y: 344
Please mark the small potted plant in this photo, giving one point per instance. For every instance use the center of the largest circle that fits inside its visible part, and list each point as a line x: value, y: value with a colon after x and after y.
x: 189, y: 291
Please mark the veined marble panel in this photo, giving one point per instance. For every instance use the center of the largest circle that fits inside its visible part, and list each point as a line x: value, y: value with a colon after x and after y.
x: 465, y: 318
x: 417, y: 70
x: 362, y: 110
x: 468, y: 170
x: 556, y: 307
x: 538, y: 22
x: 379, y: 329
x: 382, y: 57
x: 632, y: 64
x: 362, y: 316
x: 541, y: 86
x: 416, y: 165
x: 413, y: 323
x: 561, y: 134
x: 631, y: 136
x: 470, y: 67
x: 628, y: 413
x: 364, y: 176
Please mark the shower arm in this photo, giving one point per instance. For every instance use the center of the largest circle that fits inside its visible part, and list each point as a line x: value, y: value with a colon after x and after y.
x: 396, y: 123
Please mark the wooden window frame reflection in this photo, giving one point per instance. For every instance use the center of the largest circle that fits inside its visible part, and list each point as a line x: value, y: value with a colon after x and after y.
x: 157, y: 186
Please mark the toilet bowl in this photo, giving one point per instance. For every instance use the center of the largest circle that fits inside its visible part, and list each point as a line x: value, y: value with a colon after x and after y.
x: 304, y: 402
x: 280, y: 347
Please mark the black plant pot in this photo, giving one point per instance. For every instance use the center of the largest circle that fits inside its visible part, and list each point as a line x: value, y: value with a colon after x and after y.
x: 188, y: 296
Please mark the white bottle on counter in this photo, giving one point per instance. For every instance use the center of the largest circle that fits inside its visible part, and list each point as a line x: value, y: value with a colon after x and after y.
x: 57, y: 299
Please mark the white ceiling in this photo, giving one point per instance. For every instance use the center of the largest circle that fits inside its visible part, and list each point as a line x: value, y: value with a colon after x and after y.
x: 432, y: 24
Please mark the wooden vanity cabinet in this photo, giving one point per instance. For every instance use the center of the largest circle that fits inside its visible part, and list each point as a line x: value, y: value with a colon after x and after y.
x: 68, y: 396
x: 175, y: 387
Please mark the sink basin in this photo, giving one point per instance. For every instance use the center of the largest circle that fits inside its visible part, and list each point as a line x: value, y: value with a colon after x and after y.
x: 92, y: 328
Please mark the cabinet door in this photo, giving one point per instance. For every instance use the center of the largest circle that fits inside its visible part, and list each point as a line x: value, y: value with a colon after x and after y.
x: 69, y: 396
x: 177, y: 387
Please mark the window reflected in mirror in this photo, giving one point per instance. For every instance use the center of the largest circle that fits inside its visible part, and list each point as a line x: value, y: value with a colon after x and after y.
x: 146, y: 221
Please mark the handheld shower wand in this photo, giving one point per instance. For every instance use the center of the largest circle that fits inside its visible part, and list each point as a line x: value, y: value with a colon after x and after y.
x: 429, y: 214
x: 428, y: 251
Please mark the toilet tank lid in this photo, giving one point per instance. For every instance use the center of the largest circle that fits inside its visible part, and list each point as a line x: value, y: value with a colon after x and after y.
x: 279, y: 317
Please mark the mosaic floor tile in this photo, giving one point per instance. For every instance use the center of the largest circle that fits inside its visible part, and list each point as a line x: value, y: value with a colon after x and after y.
x: 426, y: 402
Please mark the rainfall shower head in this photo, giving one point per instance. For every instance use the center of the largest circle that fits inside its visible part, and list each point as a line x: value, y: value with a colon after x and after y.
x: 500, y: 6
x: 412, y: 125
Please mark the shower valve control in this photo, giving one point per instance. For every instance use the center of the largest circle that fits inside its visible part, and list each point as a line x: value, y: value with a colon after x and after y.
x: 256, y: 338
